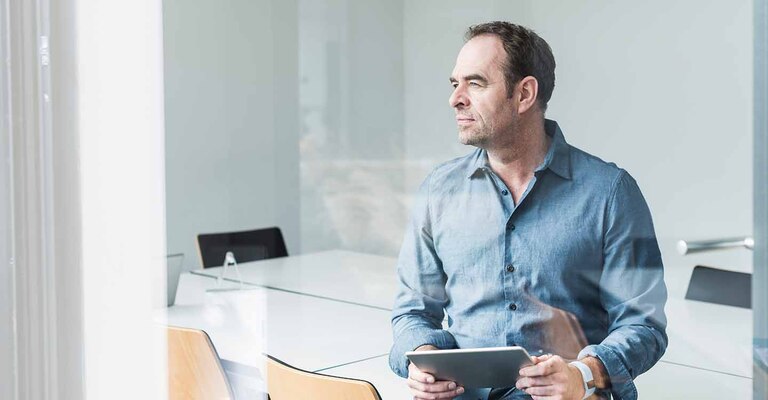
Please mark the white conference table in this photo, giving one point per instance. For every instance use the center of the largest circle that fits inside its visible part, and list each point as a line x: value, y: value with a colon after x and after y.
x: 341, y: 275
x: 308, y: 332
x: 708, y: 343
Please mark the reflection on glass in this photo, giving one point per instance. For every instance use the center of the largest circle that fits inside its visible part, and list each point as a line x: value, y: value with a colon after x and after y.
x: 374, y: 120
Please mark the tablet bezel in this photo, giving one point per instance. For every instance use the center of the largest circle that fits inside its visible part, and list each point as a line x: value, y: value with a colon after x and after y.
x: 501, y: 365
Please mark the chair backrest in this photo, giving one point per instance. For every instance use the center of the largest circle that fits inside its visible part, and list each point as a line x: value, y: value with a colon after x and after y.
x: 194, y: 369
x: 247, y: 246
x: 175, y: 264
x: 285, y: 382
x: 714, y: 285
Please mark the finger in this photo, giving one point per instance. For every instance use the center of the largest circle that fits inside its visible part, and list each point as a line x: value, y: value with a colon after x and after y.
x: 437, y: 387
x: 417, y: 386
x: 417, y: 395
x: 538, y: 359
x: 524, y: 383
x: 541, y: 391
x: 542, y: 368
x: 533, y: 370
x: 419, y: 375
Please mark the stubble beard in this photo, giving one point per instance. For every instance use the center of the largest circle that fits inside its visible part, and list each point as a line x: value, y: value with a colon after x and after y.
x: 474, y: 136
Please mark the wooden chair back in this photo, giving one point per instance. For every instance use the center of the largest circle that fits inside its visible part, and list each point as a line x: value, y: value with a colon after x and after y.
x: 285, y: 382
x: 194, y: 369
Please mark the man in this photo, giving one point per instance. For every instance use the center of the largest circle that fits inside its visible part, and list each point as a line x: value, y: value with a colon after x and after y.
x: 527, y: 241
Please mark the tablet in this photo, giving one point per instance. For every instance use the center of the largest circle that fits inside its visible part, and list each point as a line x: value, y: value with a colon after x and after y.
x: 495, y: 367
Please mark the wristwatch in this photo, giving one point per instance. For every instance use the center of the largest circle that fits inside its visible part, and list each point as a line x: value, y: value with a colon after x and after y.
x: 586, y: 375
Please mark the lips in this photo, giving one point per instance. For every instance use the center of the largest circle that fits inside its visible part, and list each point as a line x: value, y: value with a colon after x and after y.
x: 463, y: 119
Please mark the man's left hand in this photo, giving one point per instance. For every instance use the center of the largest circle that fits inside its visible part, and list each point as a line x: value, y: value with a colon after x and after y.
x: 551, y: 378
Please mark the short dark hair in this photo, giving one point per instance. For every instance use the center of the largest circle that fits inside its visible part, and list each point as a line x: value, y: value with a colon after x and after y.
x: 527, y: 55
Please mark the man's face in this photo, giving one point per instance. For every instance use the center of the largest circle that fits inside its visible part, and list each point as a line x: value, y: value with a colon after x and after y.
x: 484, y: 112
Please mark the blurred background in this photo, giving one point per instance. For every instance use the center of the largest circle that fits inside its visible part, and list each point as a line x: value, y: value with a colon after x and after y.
x: 323, y: 116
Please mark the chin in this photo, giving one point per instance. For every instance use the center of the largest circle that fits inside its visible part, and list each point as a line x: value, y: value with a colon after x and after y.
x: 470, y: 138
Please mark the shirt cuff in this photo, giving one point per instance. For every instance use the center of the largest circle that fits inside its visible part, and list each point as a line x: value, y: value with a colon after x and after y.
x: 413, y: 339
x: 622, y: 384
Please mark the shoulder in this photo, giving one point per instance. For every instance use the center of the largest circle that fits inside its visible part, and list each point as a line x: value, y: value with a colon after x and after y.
x: 591, y: 170
x: 449, y: 173
x: 606, y: 182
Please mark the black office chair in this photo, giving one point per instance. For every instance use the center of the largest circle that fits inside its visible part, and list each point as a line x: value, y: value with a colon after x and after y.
x: 246, y: 246
x: 714, y: 285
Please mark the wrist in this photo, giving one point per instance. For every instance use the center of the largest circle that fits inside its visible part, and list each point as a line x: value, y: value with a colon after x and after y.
x: 577, y: 382
x: 585, y: 380
x: 598, y: 372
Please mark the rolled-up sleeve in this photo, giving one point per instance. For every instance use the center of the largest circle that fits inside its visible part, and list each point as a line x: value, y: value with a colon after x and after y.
x: 419, y: 305
x: 632, y: 291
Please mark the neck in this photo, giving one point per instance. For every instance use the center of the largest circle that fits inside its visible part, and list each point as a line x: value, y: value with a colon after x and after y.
x: 517, y: 158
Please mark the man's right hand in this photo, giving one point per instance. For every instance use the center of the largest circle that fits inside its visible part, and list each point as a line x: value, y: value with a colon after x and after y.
x: 424, y: 386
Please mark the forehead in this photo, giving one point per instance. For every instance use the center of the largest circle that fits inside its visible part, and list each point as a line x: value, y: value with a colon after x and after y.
x: 483, y: 54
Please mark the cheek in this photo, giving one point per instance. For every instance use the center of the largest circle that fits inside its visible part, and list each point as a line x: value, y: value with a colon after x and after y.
x: 493, y: 115
x: 482, y: 110
x: 490, y: 109
x: 504, y: 114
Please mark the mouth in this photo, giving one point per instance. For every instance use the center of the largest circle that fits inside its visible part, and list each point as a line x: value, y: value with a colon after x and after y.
x: 464, y: 120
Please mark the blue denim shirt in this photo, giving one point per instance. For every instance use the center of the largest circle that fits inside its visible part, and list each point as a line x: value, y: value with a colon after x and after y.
x: 574, y: 264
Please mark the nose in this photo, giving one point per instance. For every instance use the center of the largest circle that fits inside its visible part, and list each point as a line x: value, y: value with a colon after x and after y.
x: 459, y: 98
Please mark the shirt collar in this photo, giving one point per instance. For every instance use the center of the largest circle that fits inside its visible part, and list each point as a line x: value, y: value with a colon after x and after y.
x: 558, y: 158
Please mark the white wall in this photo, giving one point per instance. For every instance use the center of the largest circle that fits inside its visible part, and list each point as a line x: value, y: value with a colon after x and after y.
x: 351, y: 67
x: 231, y: 119
x: 434, y: 33
x: 664, y: 89
x: 246, y: 147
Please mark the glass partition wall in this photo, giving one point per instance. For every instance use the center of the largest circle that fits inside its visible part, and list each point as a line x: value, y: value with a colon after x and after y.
x: 324, y: 118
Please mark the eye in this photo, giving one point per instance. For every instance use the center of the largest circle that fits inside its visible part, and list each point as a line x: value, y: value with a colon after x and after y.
x: 454, y: 84
x: 473, y: 83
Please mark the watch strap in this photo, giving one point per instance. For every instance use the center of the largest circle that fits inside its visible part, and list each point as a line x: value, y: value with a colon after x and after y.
x: 586, y: 375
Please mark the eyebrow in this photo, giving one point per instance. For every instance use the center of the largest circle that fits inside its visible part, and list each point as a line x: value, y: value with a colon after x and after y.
x: 472, y: 77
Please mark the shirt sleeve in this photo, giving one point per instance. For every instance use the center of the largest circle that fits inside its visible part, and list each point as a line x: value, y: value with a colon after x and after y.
x: 632, y: 291
x: 418, y: 311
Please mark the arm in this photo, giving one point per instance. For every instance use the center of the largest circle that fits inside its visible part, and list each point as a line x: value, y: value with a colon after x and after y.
x: 418, y: 311
x: 632, y: 291
x: 425, y: 386
x: 552, y: 377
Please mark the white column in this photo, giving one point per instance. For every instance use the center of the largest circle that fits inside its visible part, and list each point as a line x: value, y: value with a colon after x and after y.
x: 119, y: 76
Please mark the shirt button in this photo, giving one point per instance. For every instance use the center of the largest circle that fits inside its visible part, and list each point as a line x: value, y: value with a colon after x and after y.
x: 504, y: 192
x: 510, y: 268
x: 513, y: 306
x: 511, y: 227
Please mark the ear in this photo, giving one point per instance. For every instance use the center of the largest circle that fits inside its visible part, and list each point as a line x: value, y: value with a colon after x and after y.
x: 527, y: 93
